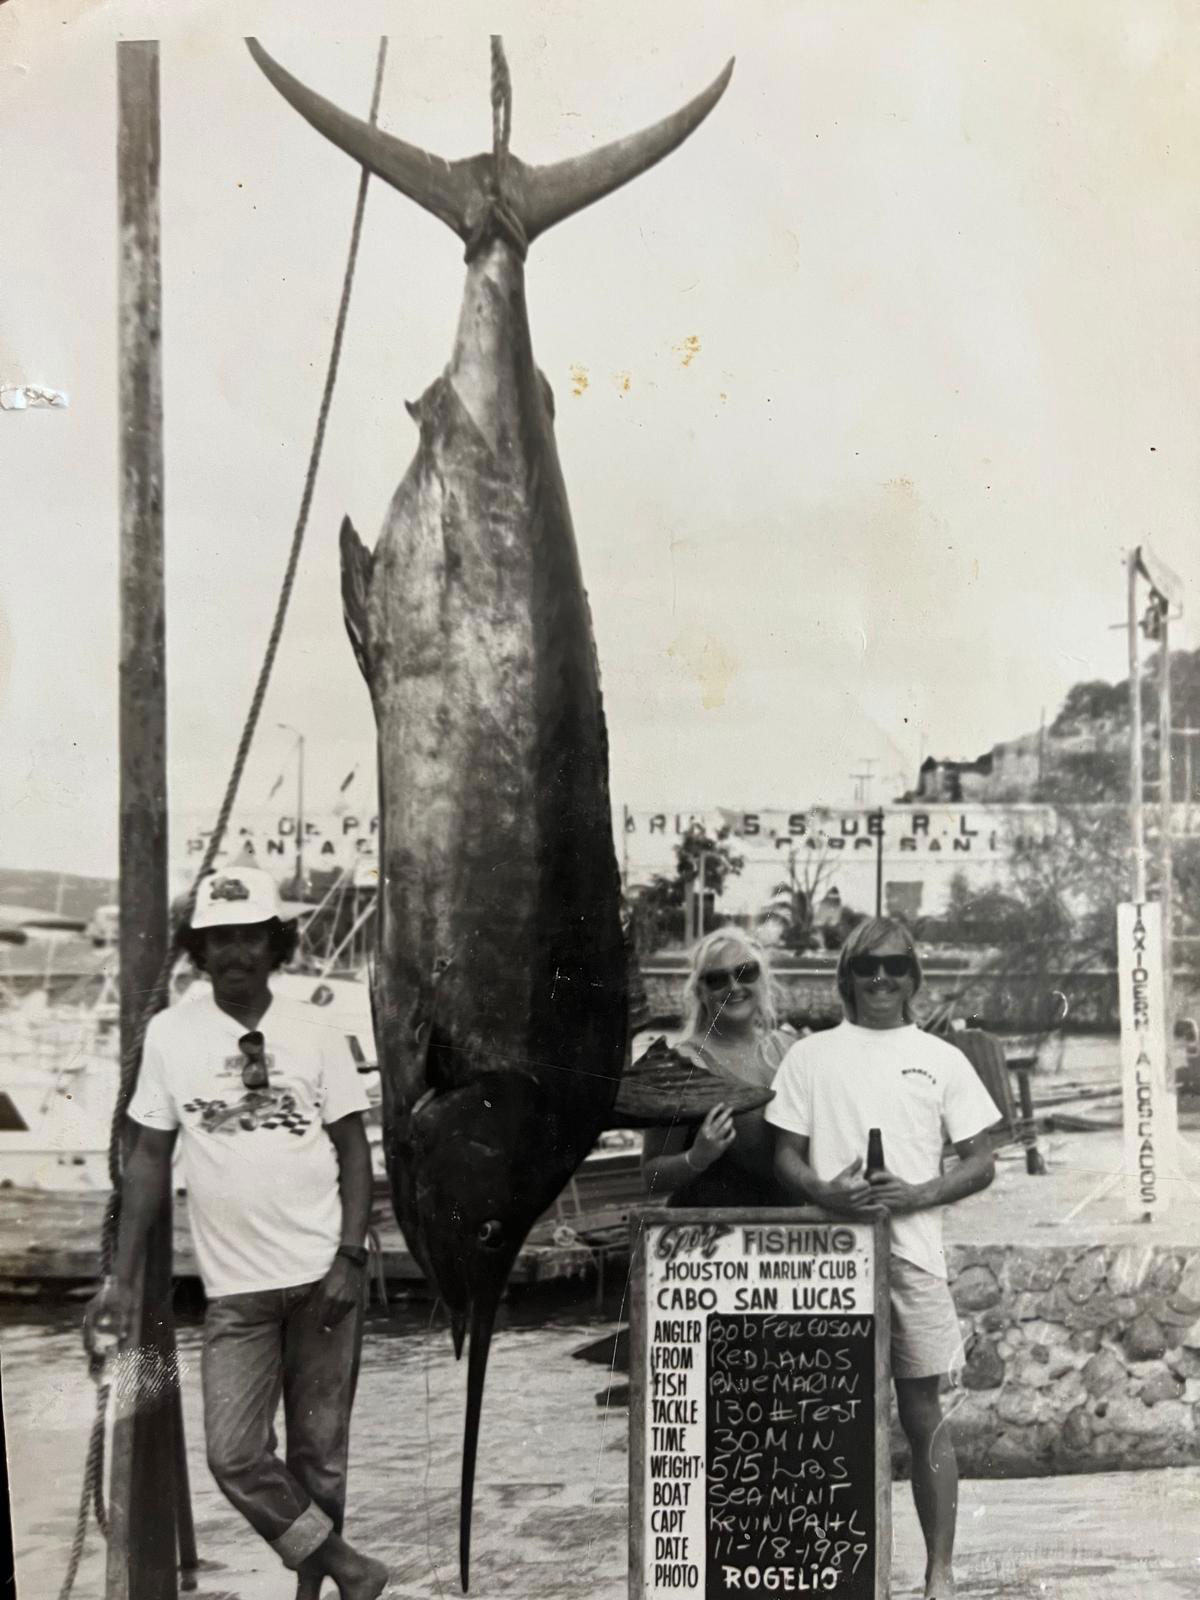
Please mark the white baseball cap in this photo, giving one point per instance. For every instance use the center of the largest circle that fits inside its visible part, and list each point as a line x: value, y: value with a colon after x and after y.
x: 235, y: 896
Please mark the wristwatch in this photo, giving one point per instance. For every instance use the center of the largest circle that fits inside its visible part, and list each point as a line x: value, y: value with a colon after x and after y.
x: 353, y: 1252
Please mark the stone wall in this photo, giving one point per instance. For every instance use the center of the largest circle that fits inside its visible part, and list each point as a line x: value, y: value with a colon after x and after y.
x: 1077, y: 1360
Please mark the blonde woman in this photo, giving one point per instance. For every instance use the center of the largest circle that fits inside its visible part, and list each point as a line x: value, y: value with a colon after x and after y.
x: 730, y: 1029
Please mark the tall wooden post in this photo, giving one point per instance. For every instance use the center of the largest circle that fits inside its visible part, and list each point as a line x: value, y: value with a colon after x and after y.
x: 142, y: 1489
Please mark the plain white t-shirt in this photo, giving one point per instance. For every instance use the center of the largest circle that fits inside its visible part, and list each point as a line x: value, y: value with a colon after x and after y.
x: 834, y: 1087
x: 261, y: 1171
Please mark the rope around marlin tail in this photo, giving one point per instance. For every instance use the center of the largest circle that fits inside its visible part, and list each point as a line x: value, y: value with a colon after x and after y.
x: 92, y: 1493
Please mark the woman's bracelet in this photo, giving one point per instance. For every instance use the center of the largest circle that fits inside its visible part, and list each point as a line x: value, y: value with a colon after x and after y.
x: 687, y: 1158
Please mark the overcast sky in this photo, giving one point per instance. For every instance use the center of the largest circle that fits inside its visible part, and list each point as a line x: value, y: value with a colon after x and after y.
x: 862, y: 395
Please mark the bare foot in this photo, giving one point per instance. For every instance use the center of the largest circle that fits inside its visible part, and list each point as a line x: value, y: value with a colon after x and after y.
x: 365, y: 1584
x: 939, y: 1585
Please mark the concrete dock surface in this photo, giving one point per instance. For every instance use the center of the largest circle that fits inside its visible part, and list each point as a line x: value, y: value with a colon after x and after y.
x: 550, y: 1507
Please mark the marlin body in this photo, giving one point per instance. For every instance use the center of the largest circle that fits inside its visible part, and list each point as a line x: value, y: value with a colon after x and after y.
x: 500, y: 986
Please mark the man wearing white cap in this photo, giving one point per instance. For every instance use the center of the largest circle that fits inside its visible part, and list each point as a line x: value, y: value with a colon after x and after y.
x: 269, y: 1105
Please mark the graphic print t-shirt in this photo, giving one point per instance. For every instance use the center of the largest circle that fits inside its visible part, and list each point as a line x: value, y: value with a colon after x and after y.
x: 261, y: 1171
x: 834, y: 1087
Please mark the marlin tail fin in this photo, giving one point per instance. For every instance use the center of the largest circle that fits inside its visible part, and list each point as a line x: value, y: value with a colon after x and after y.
x: 462, y: 192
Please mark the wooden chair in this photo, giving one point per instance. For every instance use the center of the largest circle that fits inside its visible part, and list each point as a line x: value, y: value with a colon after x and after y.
x: 994, y: 1067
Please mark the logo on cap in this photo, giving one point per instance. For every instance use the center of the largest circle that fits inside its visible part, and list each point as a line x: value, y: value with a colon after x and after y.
x: 228, y: 889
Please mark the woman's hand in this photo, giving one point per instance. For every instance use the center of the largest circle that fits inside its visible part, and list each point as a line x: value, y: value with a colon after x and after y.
x: 716, y: 1134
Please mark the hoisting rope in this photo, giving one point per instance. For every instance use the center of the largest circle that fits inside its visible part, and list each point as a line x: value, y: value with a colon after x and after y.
x: 501, y: 218
x: 501, y: 105
x: 92, y: 1493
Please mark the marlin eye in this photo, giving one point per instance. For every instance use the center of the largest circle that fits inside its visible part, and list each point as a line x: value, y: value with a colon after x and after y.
x: 491, y: 1233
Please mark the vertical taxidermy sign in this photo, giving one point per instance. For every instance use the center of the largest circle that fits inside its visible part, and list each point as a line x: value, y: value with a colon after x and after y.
x: 1148, y: 1099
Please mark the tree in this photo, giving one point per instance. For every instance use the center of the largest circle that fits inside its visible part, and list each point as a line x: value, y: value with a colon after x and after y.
x: 1049, y: 917
x: 973, y: 916
x: 1097, y: 713
x: 809, y: 871
x: 1186, y: 862
x: 1091, y: 702
x: 656, y: 914
x: 1086, y: 777
x: 719, y: 859
x: 659, y: 908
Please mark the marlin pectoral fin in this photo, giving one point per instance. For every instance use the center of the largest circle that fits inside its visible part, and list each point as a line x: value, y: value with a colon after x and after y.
x: 357, y: 566
x: 666, y: 1086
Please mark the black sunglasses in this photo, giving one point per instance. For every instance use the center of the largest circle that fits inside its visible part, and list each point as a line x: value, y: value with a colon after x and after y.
x: 719, y: 977
x: 254, y: 1074
x: 872, y: 966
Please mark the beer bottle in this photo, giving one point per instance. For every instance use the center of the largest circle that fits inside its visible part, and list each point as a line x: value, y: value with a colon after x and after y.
x: 874, y: 1151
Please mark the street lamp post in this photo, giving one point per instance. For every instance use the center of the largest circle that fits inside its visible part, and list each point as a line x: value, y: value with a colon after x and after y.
x: 287, y: 728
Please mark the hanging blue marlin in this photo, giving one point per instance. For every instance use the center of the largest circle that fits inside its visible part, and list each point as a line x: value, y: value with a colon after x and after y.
x: 499, y: 990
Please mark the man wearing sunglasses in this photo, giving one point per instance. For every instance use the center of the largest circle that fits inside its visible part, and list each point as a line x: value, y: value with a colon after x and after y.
x: 878, y: 1070
x: 267, y: 1103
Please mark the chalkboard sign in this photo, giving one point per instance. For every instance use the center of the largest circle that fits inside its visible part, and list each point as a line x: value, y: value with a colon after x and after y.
x: 760, y: 1458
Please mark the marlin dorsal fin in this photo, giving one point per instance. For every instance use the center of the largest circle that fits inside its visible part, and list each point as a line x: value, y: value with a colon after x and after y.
x: 358, y: 564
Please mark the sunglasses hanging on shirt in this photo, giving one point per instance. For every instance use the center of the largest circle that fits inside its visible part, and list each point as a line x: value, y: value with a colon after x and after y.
x: 254, y: 1073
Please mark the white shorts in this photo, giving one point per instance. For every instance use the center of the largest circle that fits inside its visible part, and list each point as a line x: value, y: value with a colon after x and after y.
x: 926, y: 1341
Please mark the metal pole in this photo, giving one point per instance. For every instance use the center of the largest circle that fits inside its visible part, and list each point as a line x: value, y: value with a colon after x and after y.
x: 1164, y: 796
x: 1187, y: 734
x: 360, y: 922
x: 142, y: 1493
x: 879, y: 867
x: 300, y: 820
x: 287, y: 728
x: 1136, y: 779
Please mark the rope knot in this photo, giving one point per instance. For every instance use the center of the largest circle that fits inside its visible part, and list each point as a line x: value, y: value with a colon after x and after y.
x: 499, y: 217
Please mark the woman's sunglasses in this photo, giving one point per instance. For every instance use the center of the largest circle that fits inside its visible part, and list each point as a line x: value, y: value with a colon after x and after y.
x: 254, y: 1074
x: 872, y: 966
x: 722, y: 977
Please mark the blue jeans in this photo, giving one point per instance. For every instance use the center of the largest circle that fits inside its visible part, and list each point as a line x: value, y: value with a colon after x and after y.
x: 258, y: 1347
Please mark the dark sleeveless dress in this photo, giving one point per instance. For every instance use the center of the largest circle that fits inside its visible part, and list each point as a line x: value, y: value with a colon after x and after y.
x: 742, y: 1176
